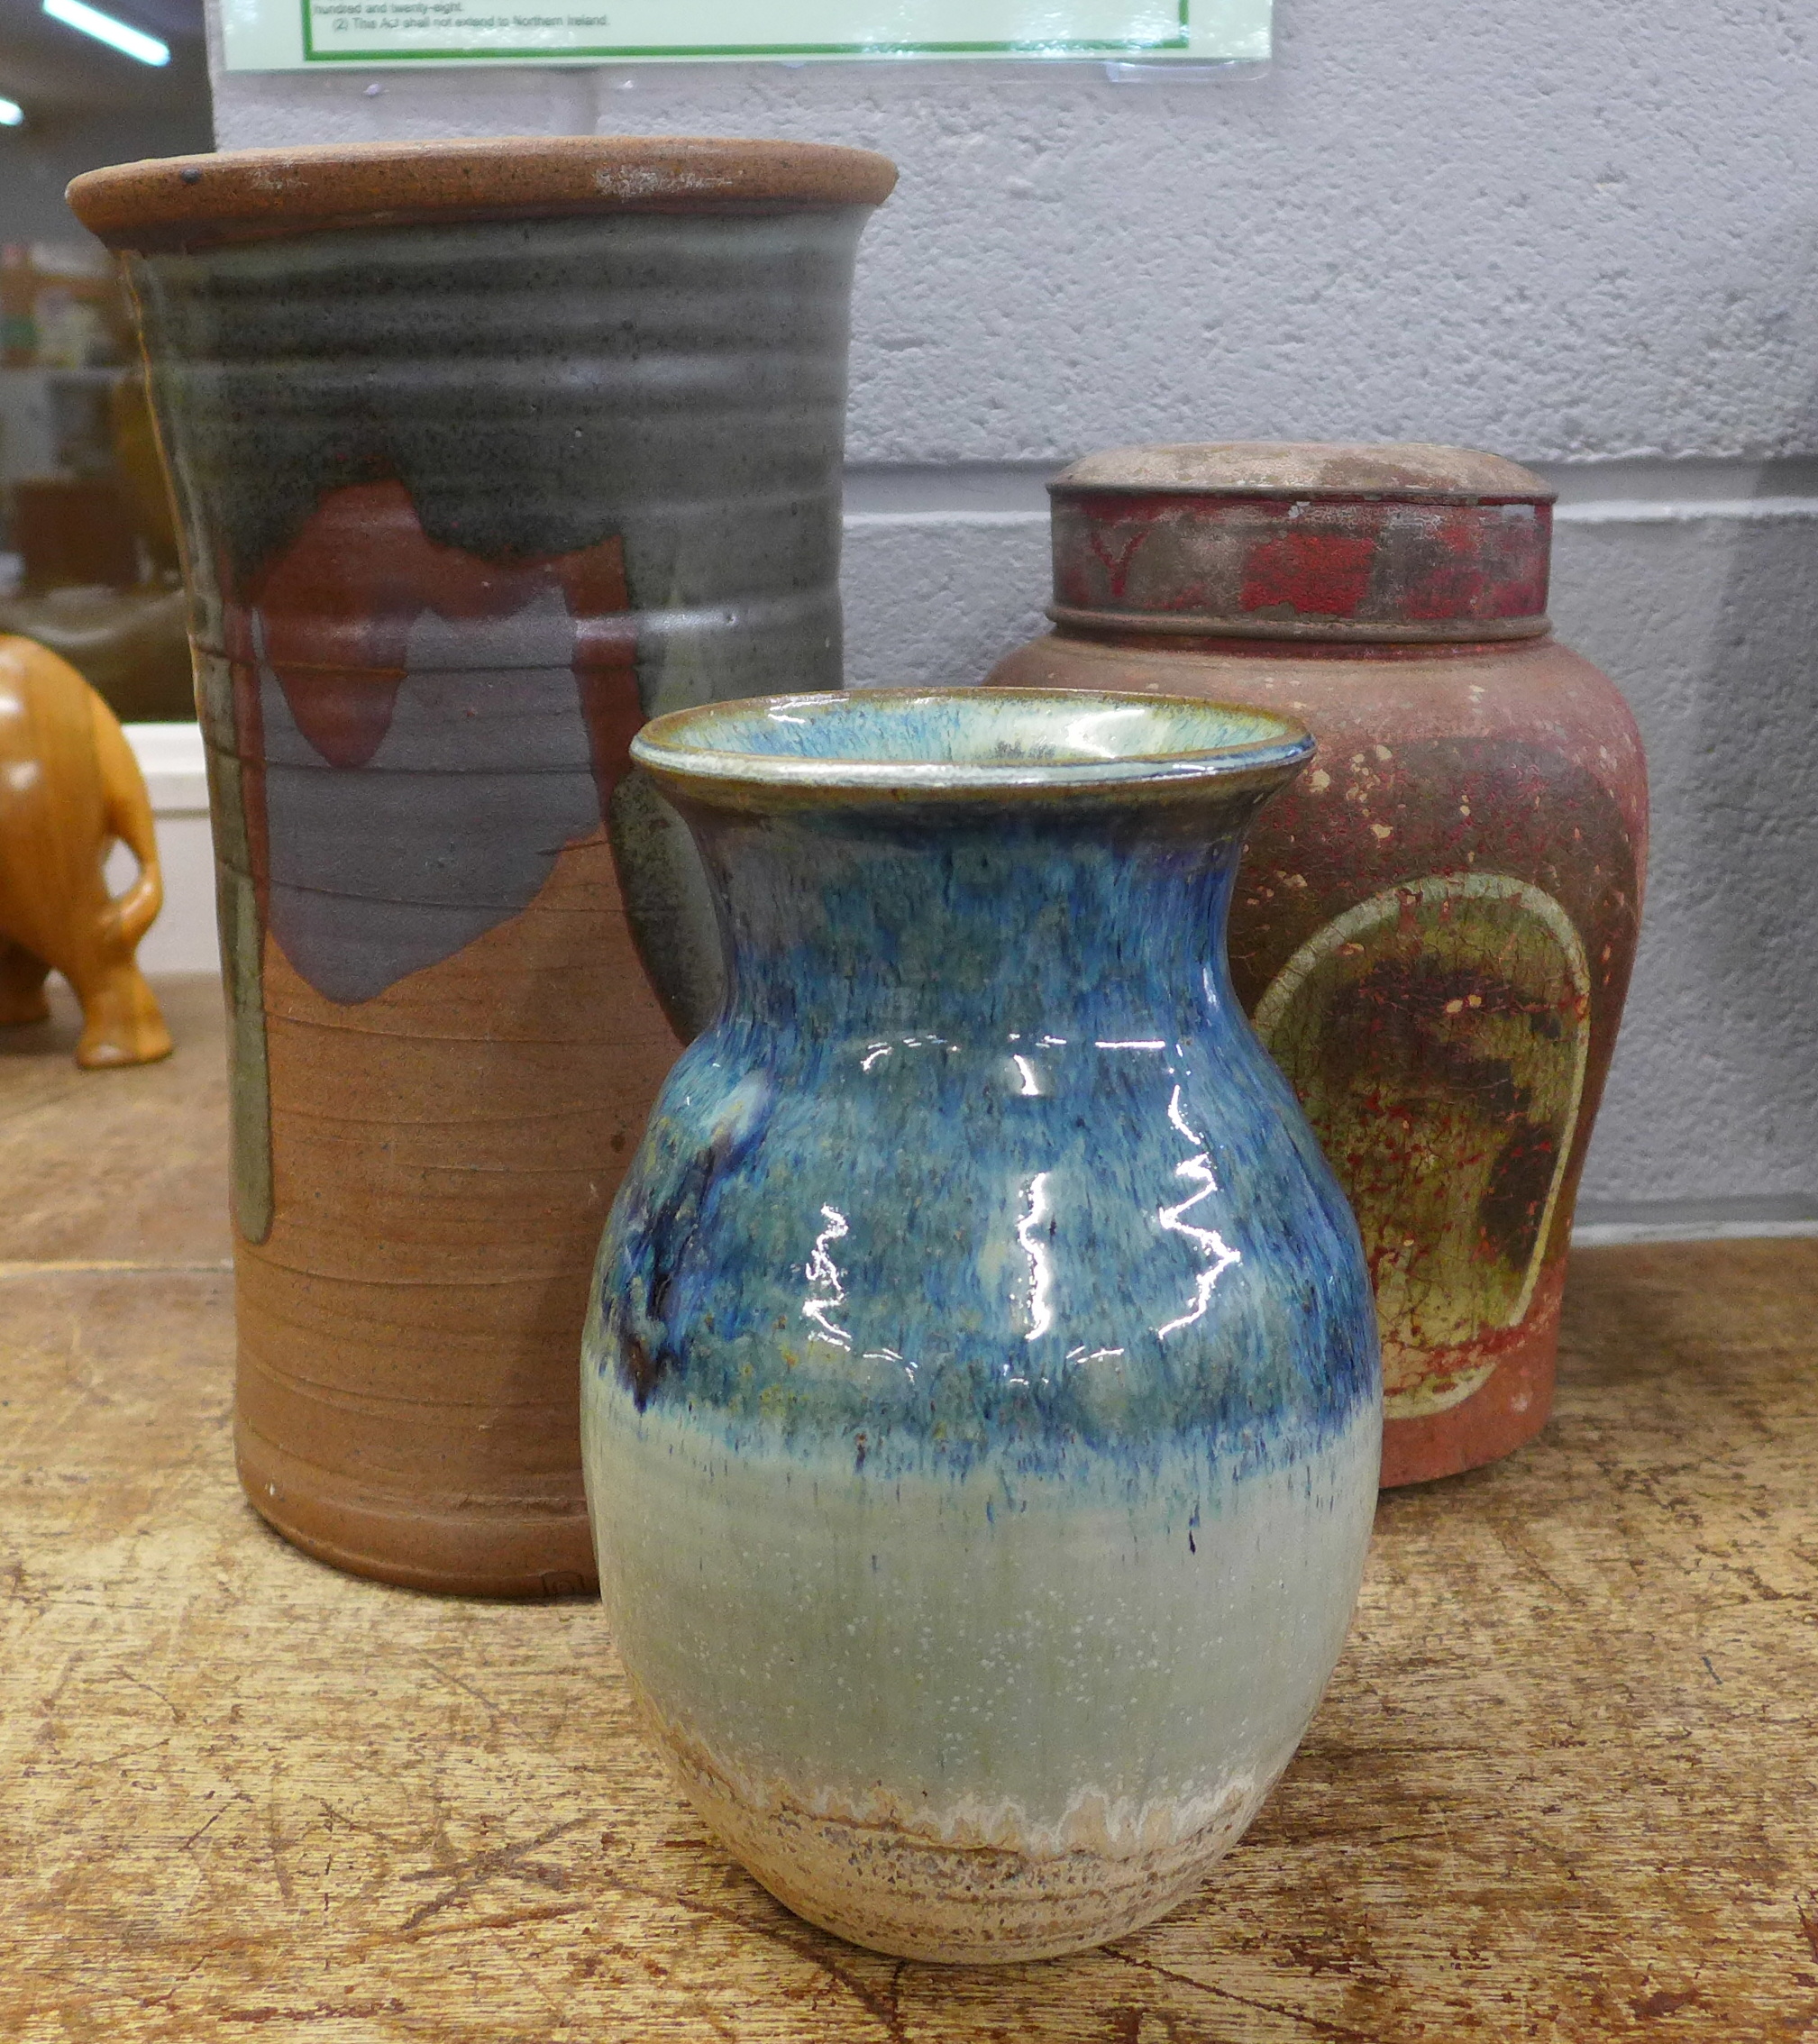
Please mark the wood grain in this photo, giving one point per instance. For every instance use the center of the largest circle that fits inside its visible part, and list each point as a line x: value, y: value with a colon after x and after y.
x: 1561, y: 1789
x: 122, y: 1165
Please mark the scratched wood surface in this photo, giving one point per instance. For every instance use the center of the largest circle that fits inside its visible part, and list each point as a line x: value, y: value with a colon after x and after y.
x: 1563, y: 1786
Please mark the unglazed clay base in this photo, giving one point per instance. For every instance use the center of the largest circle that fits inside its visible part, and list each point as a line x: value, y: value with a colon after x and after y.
x: 459, y: 1546
x: 991, y: 1894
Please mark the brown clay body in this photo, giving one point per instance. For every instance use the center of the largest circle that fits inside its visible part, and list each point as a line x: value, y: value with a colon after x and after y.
x: 1433, y: 929
x: 481, y: 453
x: 69, y: 786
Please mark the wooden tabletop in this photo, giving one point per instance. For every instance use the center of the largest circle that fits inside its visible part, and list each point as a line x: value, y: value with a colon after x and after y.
x: 1565, y: 1785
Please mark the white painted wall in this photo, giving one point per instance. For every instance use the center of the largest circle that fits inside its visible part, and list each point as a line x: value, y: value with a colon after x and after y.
x: 1586, y: 237
x: 183, y: 939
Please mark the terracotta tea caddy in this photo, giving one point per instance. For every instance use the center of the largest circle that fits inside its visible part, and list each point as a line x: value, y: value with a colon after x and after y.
x: 1433, y: 929
x: 483, y: 451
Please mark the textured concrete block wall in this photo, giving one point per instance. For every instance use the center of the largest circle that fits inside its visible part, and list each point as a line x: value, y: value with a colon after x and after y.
x: 1585, y: 237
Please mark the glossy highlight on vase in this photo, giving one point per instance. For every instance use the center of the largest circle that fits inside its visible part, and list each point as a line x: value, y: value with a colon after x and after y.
x: 980, y: 1398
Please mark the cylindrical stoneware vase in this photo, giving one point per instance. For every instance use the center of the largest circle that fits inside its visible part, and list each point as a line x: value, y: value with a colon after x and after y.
x: 483, y: 451
x: 981, y: 1398
x: 1433, y: 929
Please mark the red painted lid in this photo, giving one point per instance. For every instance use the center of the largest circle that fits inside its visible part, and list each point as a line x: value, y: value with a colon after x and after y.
x: 1278, y: 540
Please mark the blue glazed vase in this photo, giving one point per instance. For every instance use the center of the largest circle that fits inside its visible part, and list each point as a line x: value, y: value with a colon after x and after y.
x: 980, y: 1401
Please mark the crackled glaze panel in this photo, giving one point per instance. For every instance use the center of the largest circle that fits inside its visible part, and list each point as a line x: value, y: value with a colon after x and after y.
x: 1436, y: 1035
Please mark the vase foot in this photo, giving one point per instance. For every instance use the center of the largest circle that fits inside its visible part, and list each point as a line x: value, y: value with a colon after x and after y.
x: 880, y: 1884
x: 492, y: 1548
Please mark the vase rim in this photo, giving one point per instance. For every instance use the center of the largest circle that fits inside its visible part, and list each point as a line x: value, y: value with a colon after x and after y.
x: 924, y: 746
x: 187, y: 202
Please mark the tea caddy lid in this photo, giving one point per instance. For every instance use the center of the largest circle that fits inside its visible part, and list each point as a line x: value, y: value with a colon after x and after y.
x: 1397, y: 543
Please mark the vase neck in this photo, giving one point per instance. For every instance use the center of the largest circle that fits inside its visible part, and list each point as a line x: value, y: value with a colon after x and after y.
x: 999, y: 923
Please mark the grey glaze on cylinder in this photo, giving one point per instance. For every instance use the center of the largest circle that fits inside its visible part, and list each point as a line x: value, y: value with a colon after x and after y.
x: 675, y: 381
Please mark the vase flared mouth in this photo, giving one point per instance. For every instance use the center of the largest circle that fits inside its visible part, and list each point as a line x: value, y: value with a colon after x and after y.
x: 190, y: 201
x: 926, y: 745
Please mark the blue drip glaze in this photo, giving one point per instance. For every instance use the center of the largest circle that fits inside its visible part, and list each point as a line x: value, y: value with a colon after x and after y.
x: 981, y: 1163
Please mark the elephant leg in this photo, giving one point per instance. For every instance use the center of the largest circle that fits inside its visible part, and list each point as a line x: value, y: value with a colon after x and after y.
x: 21, y: 985
x: 121, y: 1021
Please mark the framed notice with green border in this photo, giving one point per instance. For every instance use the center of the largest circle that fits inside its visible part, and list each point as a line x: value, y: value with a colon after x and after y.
x: 282, y: 35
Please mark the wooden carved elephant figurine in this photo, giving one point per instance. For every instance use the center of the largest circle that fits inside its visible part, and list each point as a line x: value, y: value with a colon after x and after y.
x: 69, y: 787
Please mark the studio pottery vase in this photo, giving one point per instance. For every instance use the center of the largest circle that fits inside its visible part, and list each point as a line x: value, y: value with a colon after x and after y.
x: 1434, y: 928
x: 483, y: 451
x: 980, y: 1397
